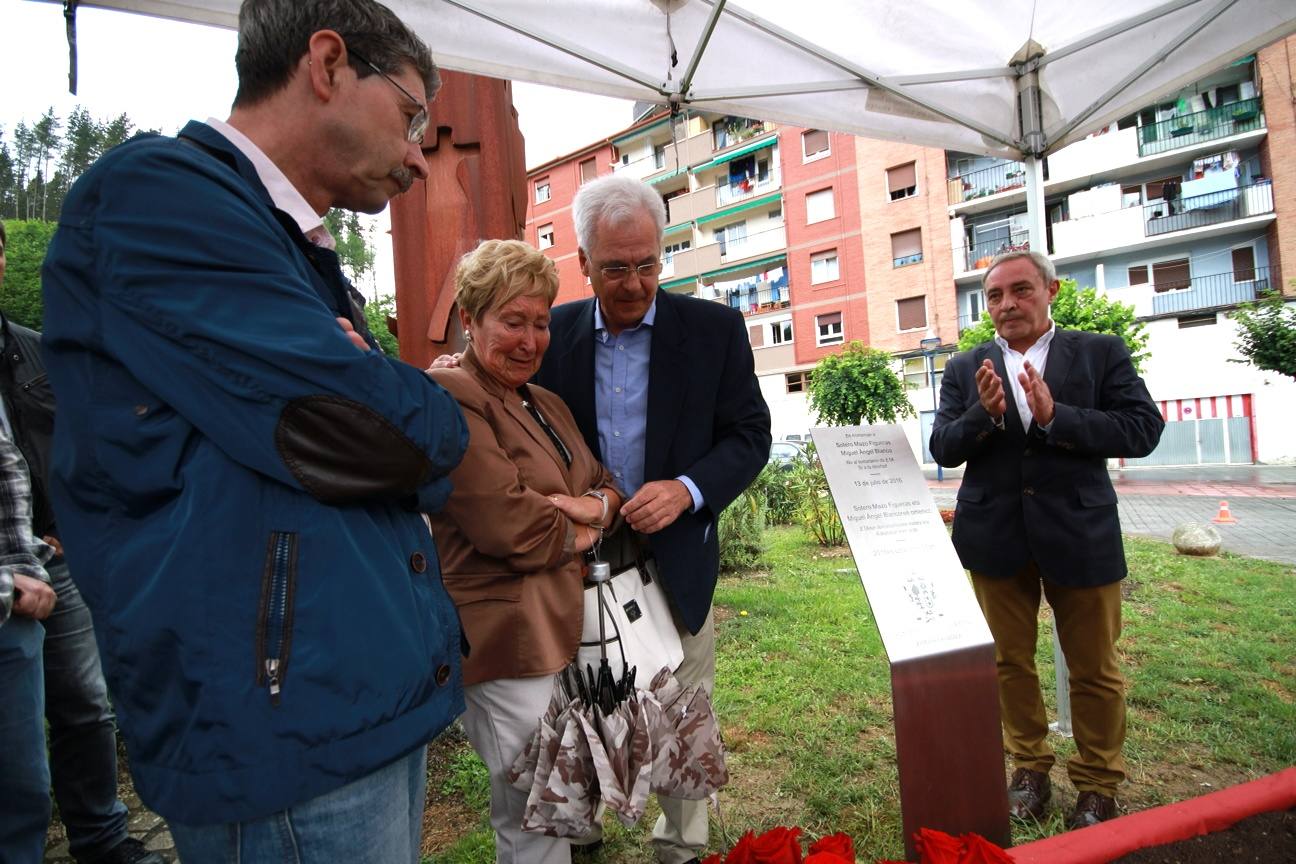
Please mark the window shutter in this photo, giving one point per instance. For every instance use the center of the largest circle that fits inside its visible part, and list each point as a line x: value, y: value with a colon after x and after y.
x: 1138, y: 275
x: 901, y: 177
x: 814, y: 141
x: 589, y: 170
x: 906, y: 243
x: 912, y: 313
x: 757, y: 335
x: 1243, y: 264
x: 1170, y: 275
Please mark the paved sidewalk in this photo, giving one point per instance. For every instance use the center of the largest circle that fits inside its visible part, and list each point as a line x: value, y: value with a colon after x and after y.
x: 1153, y: 501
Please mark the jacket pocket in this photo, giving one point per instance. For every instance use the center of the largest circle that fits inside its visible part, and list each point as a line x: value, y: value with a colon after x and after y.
x: 970, y: 494
x: 275, y: 613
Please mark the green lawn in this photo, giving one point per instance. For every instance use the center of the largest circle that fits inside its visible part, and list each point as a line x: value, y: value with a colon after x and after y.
x: 804, y: 697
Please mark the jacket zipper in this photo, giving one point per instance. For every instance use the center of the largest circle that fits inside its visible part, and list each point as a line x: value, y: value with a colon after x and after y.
x: 275, y: 619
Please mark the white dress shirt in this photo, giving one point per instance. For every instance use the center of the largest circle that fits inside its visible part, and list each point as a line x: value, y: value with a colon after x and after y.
x: 1015, y: 365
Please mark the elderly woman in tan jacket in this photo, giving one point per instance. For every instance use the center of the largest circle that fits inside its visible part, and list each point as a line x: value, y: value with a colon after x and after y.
x: 528, y: 498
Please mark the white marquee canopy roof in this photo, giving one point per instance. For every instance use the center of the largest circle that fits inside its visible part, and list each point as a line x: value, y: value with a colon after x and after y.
x: 933, y: 72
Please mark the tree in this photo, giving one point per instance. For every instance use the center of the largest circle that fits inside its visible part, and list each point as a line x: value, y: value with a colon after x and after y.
x: 376, y: 314
x: 355, y: 252
x: 1077, y: 309
x: 1267, y: 334
x: 858, y: 384
x: 20, y: 294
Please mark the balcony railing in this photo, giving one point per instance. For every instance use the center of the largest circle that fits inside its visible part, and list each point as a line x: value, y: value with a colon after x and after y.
x: 966, y: 321
x: 1213, y: 292
x: 737, y: 130
x: 751, y: 301
x: 1189, y: 129
x: 730, y: 193
x: 987, y: 181
x: 1212, y: 208
x: 980, y: 254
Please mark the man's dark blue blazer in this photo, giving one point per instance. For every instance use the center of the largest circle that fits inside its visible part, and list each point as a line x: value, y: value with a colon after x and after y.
x: 1030, y: 496
x: 706, y: 419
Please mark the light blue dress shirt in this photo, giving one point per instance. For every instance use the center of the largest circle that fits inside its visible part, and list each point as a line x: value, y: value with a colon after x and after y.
x: 621, y: 400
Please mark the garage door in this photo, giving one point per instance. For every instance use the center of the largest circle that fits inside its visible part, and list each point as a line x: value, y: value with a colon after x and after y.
x: 1207, y: 430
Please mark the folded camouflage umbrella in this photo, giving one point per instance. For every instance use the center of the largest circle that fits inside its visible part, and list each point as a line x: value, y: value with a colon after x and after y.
x: 556, y: 771
x: 688, y: 753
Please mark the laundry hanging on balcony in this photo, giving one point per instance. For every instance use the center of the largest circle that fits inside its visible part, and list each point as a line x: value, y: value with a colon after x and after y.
x: 1212, y: 190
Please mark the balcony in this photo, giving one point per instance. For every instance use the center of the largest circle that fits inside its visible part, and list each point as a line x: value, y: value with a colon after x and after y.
x: 693, y: 262
x: 969, y: 259
x: 759, y: 243
x: 1198, y: 211
x: 1234, y: 118
x: 966, y: 321
x: 732, y: 193
x: 757, y: 299
x: 730, y: 131
x: 1204, y: 293
x: 982, y: 183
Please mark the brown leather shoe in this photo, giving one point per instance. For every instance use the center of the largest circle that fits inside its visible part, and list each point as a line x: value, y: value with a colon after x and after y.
x: 1091, y: 808
x: 1028, y: 794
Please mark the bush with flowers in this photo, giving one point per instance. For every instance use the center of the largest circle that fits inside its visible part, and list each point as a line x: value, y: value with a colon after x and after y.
x: 783, y: 846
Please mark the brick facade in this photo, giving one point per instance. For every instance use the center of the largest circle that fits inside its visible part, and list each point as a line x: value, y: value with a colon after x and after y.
x: 1276, y: 66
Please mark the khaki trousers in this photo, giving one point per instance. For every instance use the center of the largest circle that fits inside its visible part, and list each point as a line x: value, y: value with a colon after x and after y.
x: 1088, y: 622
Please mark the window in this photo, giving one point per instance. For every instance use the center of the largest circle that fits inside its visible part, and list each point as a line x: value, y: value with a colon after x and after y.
x: 1138, y: 275
x: 780, y: 332
x: 756, y: 335
x: 1203, y: 320
x: 588, y: 171
x: 819, y: 206
x: 911, y: 313
x: 1244, y: 264
x: 1227, y: 93
x: 902, y: 182
x: 1131, y: 196
x: 916, y: 376
x: 1156, y: 189
x: 776, y: 213
x: 915, y: 372
x: 906, y: 248
x: 732, y: 238
x: 823, y: 267
x: 542, y: 191
x: 1170, y: 275
x: 659, y: 156
x: 814, y: 144
x: 797, y: 382
x: 672, y: 249
x: 545, y: 236
x: 830, y: 328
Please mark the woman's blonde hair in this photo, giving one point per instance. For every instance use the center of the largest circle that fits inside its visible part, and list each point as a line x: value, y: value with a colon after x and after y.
x: 498, y: 272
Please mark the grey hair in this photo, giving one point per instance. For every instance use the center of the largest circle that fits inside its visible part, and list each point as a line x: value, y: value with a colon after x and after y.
x: 1041, y: 261
x: 615, y: 198
x: 274, y: 34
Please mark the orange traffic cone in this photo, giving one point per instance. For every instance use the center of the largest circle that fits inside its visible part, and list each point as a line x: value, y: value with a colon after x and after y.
x: 1224, y: 514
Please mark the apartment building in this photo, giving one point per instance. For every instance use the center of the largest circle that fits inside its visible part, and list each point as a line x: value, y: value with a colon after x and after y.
x: 1182, y: 210
x: 1176, y: 211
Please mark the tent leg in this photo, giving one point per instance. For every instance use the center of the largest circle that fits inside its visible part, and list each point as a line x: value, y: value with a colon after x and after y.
x: 1035, y: 214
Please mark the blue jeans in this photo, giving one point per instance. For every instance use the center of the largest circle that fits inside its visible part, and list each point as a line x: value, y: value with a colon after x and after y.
x: 377, y: 819
x: 82, y: 736
x: 24, y: 773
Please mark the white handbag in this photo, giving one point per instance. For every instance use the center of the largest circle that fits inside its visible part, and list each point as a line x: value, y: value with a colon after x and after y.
x: 638, y: 628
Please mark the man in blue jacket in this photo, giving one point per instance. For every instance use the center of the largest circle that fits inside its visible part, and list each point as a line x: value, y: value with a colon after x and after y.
x: 238, y: 473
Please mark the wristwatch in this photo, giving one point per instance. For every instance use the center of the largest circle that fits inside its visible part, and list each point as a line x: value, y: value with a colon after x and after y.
x: 602, y: 497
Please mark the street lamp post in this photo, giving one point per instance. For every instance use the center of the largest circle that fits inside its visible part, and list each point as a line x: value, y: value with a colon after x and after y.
x: 929, y: 345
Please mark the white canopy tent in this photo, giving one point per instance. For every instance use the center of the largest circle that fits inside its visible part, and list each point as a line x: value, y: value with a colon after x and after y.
x: 1013, y: 78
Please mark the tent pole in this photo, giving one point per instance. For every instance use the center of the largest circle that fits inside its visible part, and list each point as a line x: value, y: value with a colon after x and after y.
x: 1035, y: 213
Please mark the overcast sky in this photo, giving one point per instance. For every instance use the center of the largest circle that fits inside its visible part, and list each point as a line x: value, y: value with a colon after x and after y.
x: 162, y: 73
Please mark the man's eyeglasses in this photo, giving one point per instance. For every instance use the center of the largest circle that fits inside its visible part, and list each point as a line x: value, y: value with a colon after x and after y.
x: 620, y: 272
x: 419, y: 122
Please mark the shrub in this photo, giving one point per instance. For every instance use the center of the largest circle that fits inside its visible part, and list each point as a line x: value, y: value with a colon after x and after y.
x: 741, y: 525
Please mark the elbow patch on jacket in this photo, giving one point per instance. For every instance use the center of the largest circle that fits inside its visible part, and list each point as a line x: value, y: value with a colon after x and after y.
x: 344, y: 452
